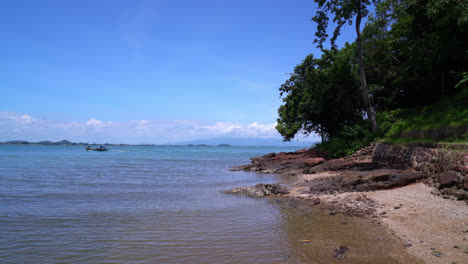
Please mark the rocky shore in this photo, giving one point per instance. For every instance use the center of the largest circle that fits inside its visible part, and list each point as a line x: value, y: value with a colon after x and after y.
x: 419, y: 192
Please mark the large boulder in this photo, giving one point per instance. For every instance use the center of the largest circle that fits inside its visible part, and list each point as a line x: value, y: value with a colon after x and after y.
x: 465, y: 183
x: 448, y: 179
x: 290, y: 163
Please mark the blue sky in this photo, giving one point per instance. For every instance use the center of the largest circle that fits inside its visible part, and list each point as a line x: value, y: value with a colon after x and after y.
x: 154, y: 64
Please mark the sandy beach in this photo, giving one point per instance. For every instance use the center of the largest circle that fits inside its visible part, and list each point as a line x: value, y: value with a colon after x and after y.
x: 425, y: 223
x: 429, y: 224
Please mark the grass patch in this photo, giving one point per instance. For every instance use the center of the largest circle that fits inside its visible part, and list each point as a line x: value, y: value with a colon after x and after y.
x: 444, y: 121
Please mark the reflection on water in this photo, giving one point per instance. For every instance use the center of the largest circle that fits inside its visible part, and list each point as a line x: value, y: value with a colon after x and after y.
x: 60, y: 204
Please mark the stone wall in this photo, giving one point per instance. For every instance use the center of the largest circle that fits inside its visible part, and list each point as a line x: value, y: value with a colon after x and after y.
x: 445, y: 165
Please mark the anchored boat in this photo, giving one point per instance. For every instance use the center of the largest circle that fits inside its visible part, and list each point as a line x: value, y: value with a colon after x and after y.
x: 101, y: 148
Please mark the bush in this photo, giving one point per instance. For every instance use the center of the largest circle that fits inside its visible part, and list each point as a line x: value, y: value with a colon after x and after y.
x: 348, y: 141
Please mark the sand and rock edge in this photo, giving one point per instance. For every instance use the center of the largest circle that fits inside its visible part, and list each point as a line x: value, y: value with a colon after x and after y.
x: 419, y: 192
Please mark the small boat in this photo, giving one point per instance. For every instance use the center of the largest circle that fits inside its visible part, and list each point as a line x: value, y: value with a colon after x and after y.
x: 101, y: 148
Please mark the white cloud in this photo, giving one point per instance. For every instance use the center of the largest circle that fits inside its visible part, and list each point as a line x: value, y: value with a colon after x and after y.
x: 93, y: 121
x: 16, y: 126
x: 25, y: 119
x: 224, y: 127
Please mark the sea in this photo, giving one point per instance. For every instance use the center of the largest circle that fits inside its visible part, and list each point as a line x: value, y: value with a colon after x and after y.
x: 157, y: 204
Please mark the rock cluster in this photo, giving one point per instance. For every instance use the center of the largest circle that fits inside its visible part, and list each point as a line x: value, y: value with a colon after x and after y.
x: 367, y: 180
x: 391, y: 166
x: 364, y: 153
x: 290, y: 163
x: 260, y: 190
x: 447, y: 169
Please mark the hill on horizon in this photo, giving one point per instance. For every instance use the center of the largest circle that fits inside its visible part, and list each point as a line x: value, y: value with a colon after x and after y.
x: 243, y: 141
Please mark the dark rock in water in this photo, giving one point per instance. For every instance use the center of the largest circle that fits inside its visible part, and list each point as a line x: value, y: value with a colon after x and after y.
x: 448, y: 179
x: 260, y: 190
x: 340, y: 253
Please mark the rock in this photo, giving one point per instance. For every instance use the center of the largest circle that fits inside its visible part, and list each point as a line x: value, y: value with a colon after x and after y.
x: 315, y: 201
x: 407, y: 245
x: 397, y: 207
x: 365, y: 179
x: 465, y: 183
x: 448, y: 179
x: 291, y: 163
x: 260, y: 190
x: 437, y: 254
x: 454, y: 192
x: 340, y: 253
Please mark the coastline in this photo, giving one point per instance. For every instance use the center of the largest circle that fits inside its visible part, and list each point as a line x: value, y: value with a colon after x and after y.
x: 431, y: 225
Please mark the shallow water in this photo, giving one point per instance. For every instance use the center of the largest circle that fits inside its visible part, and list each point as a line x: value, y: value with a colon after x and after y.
x: 61, y: 204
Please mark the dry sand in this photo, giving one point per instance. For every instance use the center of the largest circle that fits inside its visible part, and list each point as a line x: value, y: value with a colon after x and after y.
x: 425, y: 221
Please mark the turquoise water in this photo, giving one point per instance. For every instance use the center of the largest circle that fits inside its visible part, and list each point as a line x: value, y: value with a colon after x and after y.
x: 129, y: 204
x: 61, y: 204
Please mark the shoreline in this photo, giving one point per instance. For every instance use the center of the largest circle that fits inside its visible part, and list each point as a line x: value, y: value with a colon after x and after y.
x: 423, y: 222
x: 431, y: 225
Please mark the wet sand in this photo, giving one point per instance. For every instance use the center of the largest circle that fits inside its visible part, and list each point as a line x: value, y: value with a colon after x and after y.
x: 314, y: 236
x: 423, y: 222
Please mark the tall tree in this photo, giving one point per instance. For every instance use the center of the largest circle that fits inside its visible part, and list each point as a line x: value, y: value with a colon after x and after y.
x: 321, y: 96
x: 345, y: 11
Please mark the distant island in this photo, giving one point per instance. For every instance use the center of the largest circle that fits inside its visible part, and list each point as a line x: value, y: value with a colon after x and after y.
x: 45, y: 142
x: 61, y: 142
x: 211, y: 142
x: 69, y: 143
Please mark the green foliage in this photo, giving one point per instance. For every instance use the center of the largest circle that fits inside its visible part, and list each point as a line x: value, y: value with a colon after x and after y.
x: 446, y: 120
x: 464, y: 80
x: 416, y: 50
x: 320, y: 96
x: 343, y: 12
x: 415, y: 54
x: 353, y: 138
x: 349, y: 140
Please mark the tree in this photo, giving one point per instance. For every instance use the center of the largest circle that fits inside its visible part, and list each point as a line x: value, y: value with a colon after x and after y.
x: 344, y: 11
x: 321, y: 95
x: 422, y: 45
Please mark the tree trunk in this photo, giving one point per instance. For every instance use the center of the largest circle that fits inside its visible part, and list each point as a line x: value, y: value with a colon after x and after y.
x: 362, y: 75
